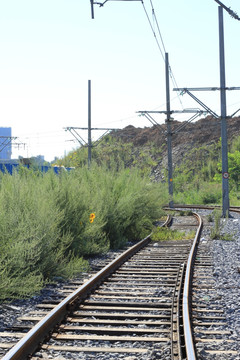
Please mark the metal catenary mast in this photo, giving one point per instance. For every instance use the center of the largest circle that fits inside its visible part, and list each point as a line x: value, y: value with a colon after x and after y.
x: 223, y: 116
x: 168, y: 112
x: 74, y: 130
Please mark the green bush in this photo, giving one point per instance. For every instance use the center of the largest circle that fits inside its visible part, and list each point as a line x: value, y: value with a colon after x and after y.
x: 33, y: 249
x: 125, y: 205
x: 210, y: 193
x: 49, y: 223
x: 204, y: 193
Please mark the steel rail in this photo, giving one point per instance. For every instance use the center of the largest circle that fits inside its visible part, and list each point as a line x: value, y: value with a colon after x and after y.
x: 177, y: 313
x: 187, y: 326
x: 30, y: 342
x: 179, y: 307
x: 173, y: 313
x: 205, y: 207
x: 188, y: 335
x: 186, y: 302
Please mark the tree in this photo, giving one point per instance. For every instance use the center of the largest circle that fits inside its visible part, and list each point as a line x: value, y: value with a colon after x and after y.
x: 233, y: 169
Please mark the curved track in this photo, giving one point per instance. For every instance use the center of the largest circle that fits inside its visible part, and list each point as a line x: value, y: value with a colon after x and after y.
x: 138, y: 304
x: 211, y: 334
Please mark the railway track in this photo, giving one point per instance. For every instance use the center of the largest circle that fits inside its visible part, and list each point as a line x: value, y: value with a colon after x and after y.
x: 138, y: 307
x: 212, y: 337
x: 209, y: 322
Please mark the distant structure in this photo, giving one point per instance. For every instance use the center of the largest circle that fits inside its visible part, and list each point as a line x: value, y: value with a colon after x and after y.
x: 5, y: 143
x: 34, y: 160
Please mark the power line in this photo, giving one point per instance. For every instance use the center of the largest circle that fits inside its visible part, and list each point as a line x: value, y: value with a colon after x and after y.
x: 158, y: 44
x: 154, y: 15
x: 160, y: 35
x: 154, y: 34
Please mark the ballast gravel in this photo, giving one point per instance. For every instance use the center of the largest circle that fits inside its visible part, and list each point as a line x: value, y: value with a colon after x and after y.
x: 226, y: 273
x: 226, y: 265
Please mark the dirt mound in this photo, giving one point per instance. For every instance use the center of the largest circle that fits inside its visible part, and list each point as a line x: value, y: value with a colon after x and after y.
x: 202, y: 132
x: 186, y: 136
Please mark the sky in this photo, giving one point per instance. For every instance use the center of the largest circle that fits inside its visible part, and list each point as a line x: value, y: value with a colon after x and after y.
x: 51, y: 48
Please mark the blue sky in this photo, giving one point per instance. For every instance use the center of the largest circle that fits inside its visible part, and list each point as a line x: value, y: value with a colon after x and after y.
x: 51, y: 48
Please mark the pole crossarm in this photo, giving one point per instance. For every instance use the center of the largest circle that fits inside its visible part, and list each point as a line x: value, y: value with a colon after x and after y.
x: 182, y: 90
x: 85, y: 128
x: 92, y: 3
x: 185, y: 90
x: 151, y: 119
x: 188, y: 91
x: 19, y: 144
x: 78, y: 137
x: 229, y: 10
x: 234, y: 113
x: 187, y: 111
x: 196, y: 112
x: 188, y: 121
x: 73, y: 131
x: 5, y: 141
x: 99, y: 140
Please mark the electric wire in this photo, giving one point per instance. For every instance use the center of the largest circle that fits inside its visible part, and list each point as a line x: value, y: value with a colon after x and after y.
x: 160, y: 35
x: 162, y: 42
x: 160, y: 46
x: 159, y: 32
x: 154, y: 34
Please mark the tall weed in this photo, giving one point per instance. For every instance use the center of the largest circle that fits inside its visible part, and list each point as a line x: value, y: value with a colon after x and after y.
x: 49, y: 222
x: 200, y: 193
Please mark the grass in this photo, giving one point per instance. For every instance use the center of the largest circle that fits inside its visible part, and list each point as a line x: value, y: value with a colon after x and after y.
x: 163, y: 234
x: 216, y: 228
x: 185, y: 213
x: 216, y: 231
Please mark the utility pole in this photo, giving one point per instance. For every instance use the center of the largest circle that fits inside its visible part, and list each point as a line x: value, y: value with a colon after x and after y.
x: 168, y: 112
x: 92, y: 9
x: 82, y: 142
x: 89, y: 125
x: 223, y: 88
x: 169, y: 134
x: 225, y: 176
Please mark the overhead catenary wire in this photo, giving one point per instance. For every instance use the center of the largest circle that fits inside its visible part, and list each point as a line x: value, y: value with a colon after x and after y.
x: 154, y: 33
x: 160, y: 44
x: 46, y: 139
x: 160, y: 35
x: 163, y: 48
